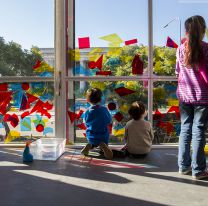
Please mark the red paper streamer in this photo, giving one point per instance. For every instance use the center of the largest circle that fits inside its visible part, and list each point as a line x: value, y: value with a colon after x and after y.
x: 132, y: 41
x: 82, y: 126
x: 174, y: 109
x: 37, y: 65
x: 73, y: 116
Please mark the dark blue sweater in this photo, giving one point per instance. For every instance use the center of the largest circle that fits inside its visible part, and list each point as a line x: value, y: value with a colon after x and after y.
x: 97, y: 119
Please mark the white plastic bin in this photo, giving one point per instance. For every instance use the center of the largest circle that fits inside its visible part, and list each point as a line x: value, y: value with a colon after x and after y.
x: 47, y: 148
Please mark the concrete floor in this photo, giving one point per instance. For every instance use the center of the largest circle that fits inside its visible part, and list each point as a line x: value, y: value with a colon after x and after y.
x: 75, y: 180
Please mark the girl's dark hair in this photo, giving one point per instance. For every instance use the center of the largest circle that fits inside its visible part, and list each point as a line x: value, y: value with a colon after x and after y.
x: 136, y: 110
x: 94, y: 95
x: 195, y: 27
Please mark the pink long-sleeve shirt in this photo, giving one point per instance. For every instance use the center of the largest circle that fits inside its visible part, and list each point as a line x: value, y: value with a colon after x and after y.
x: 192, y: 83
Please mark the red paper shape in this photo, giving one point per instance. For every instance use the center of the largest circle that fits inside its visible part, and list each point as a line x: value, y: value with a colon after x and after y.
x: 161, y: 124
x: 118, y: 116
x: 82, y: 126
x: 137, y: 65
x: 169, y: 128
x: 122, y: 91
x: 174, y: 109
x: 40, y: 128
x: 30, y: 99
x: 5, y: 99
x: 37, y: 65
x: 104, y: 73
x: 4, y: 87
x: 157, y: 115
x: 112, y: 106
x: 98, y: 64
x: 74, y: 116
x: 84, y: 42
x: 84, y: 134
x: 132, y: 41
x: 25, y: 86
x: 13, y: 119
x: 170, y: 43
x: 110, y: 127
x: 23, y: 115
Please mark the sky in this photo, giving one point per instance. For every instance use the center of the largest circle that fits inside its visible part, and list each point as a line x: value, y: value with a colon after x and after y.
x: 31, y: 22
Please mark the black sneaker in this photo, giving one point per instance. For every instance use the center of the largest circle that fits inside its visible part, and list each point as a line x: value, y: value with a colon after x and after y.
x: 86, y: 149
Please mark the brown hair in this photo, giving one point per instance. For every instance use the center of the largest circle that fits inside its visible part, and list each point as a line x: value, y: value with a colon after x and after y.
x: 136, y: 110
x: 195, y: 27
x: 94, y: 95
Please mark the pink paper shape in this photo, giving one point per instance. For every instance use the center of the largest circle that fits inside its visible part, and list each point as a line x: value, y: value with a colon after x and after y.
x: 132, y: 41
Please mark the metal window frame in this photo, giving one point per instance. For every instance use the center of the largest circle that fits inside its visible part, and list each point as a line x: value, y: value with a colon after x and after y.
x: 61, y: 50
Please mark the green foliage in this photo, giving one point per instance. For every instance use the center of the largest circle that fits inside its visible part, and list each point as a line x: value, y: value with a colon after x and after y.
x: 14, y: 61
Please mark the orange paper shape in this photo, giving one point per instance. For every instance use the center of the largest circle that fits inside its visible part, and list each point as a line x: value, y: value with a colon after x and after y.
x: 122, y: 91
x: 84, y: 42
x: 132, y: 41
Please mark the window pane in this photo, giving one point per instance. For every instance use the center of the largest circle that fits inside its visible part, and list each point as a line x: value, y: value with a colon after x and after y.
x: 166, y: 116
x: 118, y: 33
x: 117, y: 97
x: 167, y: 16
x: 26, y: 37
x: 26, y: 111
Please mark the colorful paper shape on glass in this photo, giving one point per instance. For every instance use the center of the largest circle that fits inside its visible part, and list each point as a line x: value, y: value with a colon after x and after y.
x: 94, y: 54
x: 13, y: 119
x: 157, y: 115
x: 74, y: 55
x: 124, y: 108
x: 25, y: 86
x: 112, y: 106
x: 84, y: 42
x: 46, y: 74
x: 81, y: 70
x: 175, y: 109
x: 3, y: 87
x: 110, y: 127
x: 39, y: 128
x: 26, y: 124
x: 73, y: 116
x: 23, y: 102
x: 81, y: 126
x: 98, y: 64
x: 103, y: 73
x: 12, y: 136
x: 122, y: 91
x: 169, y: 128
x: 170, y: 43
x: 137, y: 65
x: 113, y: 39
x: 119, y: 132
x: 113, y: 62
x: 132, y: 41
x: 118, y: 116
x: 37, y: 65
x: 47, y: 130
x: 5, y: 99
x: 114, y: 52
x: 207, y: 33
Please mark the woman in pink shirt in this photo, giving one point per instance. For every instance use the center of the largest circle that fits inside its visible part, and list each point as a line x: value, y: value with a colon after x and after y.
x: 192, y: 92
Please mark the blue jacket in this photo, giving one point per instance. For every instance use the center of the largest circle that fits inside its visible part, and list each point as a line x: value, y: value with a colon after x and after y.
x: 97, y: 118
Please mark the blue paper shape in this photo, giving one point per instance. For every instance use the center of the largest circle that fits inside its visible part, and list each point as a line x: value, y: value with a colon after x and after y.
x: 27, y: 120
x: 47, y: 130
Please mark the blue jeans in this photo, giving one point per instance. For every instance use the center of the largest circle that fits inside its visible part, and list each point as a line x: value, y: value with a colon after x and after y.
x: 193, y: 124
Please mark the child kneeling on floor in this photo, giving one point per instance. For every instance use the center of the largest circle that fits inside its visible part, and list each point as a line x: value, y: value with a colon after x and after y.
x: 138, y: 133
x: 97, y: 118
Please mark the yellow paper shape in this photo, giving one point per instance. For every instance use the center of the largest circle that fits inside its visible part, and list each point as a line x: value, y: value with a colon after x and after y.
x: 113, y: 39
x: 94, y: 54
x: 74, y: 55
x: 207, y: 33
x: 173, y: 102
x: 114, y: 52
x: 12, y: 136
x: 119, y: 132
x: 206, y: 149
x: 124, y: 108
x: 45, y: 67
